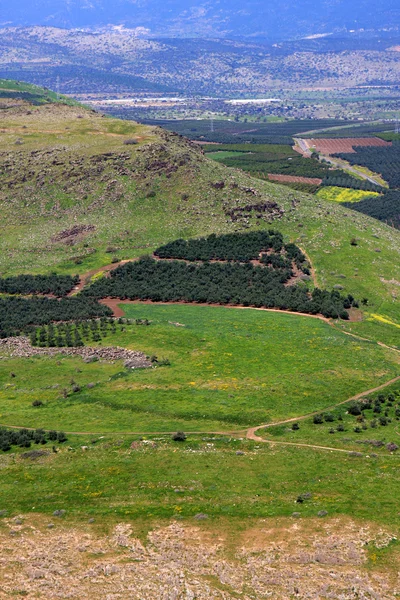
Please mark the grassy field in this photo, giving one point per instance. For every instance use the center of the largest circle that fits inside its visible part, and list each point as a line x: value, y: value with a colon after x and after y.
x: 337, y: 194
x: 160, y: 481
x: 230, y: 369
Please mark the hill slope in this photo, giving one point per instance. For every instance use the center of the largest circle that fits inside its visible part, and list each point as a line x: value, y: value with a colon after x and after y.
x: 78, y: 189
x: 182, y: 18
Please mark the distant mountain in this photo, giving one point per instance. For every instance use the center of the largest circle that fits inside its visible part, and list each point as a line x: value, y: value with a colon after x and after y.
x: 258, y: 19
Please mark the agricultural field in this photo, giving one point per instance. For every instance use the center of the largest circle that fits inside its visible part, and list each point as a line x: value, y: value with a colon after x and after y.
x: 268, y: 161
x: 329, y: 146
x: 339, y: 194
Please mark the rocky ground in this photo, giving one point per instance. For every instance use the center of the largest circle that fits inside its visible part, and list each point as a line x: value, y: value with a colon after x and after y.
x: 20, y: 347
x: 45, y: 558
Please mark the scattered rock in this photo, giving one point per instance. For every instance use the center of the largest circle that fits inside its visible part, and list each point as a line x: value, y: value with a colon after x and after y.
x: 59, y: 513
x: 322, y: 513
x: 201, y: 517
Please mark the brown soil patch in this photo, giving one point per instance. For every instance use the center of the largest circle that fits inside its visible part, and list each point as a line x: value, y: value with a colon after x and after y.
x: 346, y: 145
x: 294, y: 179
x: 278, y: 560
x: 72, y: 235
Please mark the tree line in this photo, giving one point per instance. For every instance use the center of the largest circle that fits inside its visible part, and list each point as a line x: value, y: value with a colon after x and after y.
x: 385, y: 208
x: 20, y: 314
x: 58, y: 285
x: 219, y: 283
x: 242, y: 247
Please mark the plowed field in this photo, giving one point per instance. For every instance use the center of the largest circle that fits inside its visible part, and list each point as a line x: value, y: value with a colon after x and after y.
x: 345, y: 145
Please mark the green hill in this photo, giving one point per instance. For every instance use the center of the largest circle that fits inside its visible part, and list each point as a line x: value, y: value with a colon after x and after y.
x: 78, y: 188
x: 18, y: 90
x: 104, y: 396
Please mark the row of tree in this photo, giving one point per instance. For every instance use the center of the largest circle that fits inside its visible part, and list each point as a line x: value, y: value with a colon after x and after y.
x: 20, y: 314
x: 220, y: 283
x: 57, y: 285
x: 383, y: 160
x: 72, y: 334
x: 242, y: 247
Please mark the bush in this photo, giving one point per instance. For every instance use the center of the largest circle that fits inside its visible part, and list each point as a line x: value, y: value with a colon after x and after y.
x: 179, y: 436
x: 295, y: 427
x: 318, y: 419
x: 61, y: 437
x: 340, y: 427
x: 37, y: 403
x: 329, y: 418
x: 354, y: 408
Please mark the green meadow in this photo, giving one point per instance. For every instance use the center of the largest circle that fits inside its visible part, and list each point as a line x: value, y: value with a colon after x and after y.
x: 229, y: 369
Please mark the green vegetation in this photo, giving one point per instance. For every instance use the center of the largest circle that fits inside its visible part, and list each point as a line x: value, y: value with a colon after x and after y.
x: 261, y: 159
x: 58, y: 285
x: 339, y: 194
x: 20, y: 314
x: 226, y: 283
x: 235, y: 132
x: 229, y: 369
x: 366, y: 425
x: 24, y: 438
x: 33, y: 94
x: 385, y: 207
x: 73, y: 334
x: 110, y: 481
x: 242, y: 247
x: 385, y: 161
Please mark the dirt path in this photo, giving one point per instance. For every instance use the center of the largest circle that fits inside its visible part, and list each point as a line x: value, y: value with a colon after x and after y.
x: 251, y: 433
x: 85, y: 278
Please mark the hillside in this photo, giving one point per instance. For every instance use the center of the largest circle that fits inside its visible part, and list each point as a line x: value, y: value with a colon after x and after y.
x: 114, y: 61
x: 78, y: 189
x: 188, y: 447
x: 181, y: 18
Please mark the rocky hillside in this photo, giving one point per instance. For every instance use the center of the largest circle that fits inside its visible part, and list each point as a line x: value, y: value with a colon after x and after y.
x: 79, y: 189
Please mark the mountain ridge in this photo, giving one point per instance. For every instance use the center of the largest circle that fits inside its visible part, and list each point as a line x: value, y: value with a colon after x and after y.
x: 224, y: 18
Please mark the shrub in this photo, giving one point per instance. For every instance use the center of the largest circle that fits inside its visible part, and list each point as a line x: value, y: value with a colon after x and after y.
x: 318, y: 419
x: 295, y: 427
x: 340, y: 427
x: 329, y: 418
x: 61, y: 437
x: 179, y: 436
x: 354, y: 408
x: 37, y: 403
x: 383, y: 421
x: 53, y: 435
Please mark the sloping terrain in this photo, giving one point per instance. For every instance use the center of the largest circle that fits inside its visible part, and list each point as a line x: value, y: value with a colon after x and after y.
x: 194, y: 18
x: 284, y: 481
x: 78, y: 189
x: 115, y: 60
